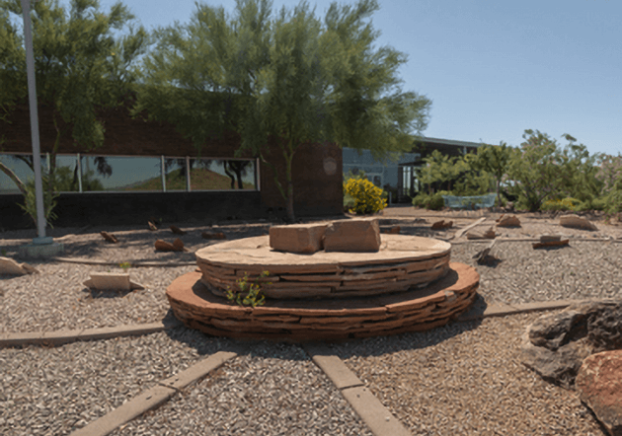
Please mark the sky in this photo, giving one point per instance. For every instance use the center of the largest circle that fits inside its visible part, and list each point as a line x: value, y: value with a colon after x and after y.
x: 491, y: 68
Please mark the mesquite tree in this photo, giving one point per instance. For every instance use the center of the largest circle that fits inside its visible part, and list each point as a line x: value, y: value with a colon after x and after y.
x: 285, y: 80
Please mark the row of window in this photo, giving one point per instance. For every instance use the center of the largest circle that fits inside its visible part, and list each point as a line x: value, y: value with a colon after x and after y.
x: 80, y: 173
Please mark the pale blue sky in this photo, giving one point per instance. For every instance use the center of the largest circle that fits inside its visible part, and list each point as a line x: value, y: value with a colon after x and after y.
x: 492, y: 68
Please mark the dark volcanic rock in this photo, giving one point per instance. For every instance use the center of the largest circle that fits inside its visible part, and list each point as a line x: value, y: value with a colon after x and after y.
x: 555, y: 345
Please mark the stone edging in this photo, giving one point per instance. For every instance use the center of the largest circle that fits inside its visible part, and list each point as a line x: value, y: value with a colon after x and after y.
x: 109, y: 263
x: 154, y: 397
x: 378, y: 418
x: 65, y: 336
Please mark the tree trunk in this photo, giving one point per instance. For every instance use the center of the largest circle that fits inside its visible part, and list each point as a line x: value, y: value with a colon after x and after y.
x: 20, y: 185
x: 290, y: 187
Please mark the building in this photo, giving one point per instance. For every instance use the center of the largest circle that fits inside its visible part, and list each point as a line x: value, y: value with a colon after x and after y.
x: 398, y: 176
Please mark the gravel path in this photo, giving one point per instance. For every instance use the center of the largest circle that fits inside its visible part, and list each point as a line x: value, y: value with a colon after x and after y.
x: 466, y: 379
x: 274, y: 390
x: 53, y: 391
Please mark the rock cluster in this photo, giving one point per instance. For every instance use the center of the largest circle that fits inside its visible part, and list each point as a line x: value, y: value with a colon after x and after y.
x: 555, y: 345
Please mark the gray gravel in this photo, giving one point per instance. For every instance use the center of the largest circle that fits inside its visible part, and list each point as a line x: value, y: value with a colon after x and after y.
x: 53, y: 391
x: 582, y: 270
x: 274, y: 390
x: 466, y: 379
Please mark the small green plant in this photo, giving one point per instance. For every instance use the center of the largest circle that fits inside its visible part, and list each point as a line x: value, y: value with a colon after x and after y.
x: 125, y: 266
x: 246, y: 293
x: 561, y: 204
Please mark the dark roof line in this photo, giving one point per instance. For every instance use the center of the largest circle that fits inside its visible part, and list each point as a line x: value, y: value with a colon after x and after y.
x: 449, y: 142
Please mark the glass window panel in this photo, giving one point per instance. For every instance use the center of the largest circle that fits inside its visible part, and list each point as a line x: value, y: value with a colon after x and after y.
x: 66, y: 173
x: 107, y: 173
x: 218, y: 174
x: 175, y: 169
x: 20, y: 165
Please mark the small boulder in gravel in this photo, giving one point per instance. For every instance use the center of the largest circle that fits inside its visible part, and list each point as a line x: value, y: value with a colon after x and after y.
x: 11, y: 268
x: 218, y: 235
x: 176, y: 230
x: 109, y: 237
x: 599, y: 383
x: 441, y: 225
x: 112, y: 281
x: 508, y: 221
x: 488, y: 234
x: 555, y: 345
x: 177, y: 245
x: 576, y: 222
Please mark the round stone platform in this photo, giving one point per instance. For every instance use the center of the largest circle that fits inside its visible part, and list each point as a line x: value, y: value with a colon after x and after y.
x: 325, y: 319
x: 403, y: 262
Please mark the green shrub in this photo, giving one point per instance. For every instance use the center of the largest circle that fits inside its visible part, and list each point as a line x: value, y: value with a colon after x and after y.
x: 430, y: 201
x: 246, y: 293
x: 368, y: 198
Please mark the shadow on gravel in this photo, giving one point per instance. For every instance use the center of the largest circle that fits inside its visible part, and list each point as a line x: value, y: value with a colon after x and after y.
x: 381, y: 345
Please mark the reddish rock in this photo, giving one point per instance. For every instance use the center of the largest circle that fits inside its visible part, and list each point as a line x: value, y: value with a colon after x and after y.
x: 440, y: 225
x: 599, y: 382
x: 355, y: 235
x: 161, y: 245
x: 298, y: 238
x: 544, y: 244
x: 219, y: 235
x: 176, y: 230
x: 395, y: 230
x: 109, y: 237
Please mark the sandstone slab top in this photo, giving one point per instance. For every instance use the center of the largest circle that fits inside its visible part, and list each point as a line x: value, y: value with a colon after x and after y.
x: 256, y: 251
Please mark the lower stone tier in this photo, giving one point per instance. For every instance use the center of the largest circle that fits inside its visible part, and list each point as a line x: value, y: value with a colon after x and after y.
x: 325, y: 319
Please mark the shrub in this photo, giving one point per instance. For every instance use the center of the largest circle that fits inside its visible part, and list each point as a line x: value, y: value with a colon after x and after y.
x: 563, y: 204
x: 368, y: 198
x: 247, y: 294
x: 430, y: 201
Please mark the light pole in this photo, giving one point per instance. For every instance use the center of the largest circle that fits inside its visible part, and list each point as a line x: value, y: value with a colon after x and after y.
x: 34, y: 127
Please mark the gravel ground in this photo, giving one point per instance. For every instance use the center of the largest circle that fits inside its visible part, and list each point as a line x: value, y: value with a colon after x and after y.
x: 581, y: 271
x: 460, y: 379
x: 53, y: 391
x: 274, y: 390
x: 466, y: 379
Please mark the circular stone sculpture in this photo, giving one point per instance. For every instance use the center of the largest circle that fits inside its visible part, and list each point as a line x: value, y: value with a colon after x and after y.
x: 403, y: 262
x: 409, y: 285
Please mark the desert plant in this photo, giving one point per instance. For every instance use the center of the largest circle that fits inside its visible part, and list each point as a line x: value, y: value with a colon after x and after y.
x: 125, y: 266
x: 368, y: 198
x: 430, y: 201
x: 568, y: 203
x: 246, y: 293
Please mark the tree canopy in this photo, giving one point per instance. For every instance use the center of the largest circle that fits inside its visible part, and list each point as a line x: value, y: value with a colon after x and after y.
x: 287, y: 79
x: 81, y: 65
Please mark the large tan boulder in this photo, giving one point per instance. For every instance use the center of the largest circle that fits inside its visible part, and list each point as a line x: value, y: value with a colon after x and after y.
x: 576, y: 222
x: 111, y: 281
x: 599, y: 383
x: 11, y: 268
x: 354, y: 235
x: 298, y: 238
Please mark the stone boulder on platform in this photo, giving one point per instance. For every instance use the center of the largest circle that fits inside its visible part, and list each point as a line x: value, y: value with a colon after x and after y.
x: 599, y: 383
x: 298, y: 238
x: 354, y: 235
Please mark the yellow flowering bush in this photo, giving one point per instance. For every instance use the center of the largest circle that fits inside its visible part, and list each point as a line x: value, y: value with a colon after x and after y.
x: 368, y: 198
x: 561, y: 204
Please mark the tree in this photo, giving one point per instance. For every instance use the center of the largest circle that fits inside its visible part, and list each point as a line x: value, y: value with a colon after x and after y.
x: 80, y: 66
x: 495, y: 160
x: 285, y: 81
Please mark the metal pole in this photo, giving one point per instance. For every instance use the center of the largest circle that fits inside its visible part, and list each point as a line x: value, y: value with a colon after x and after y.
x: 34, y: 125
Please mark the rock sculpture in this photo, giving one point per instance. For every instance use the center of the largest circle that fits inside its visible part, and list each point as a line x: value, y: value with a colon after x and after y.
x: 354, y: 235
x: 576, y: 222
x: 11, y: 268
x: 508, y: 221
